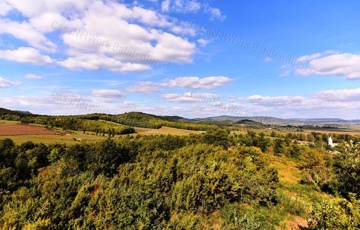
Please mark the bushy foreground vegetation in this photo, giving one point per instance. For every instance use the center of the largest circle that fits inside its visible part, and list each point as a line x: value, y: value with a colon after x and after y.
x: 213, y: 180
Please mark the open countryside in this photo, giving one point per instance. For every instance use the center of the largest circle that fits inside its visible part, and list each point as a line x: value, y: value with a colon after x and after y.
x: 179, y: 115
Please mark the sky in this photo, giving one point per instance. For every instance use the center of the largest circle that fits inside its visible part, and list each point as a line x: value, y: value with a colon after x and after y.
x: 191, y: 58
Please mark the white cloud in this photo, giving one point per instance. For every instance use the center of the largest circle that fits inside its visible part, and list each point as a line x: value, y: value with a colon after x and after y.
x: 275, y: 100
x: 340, y: 95
x: 101, y: 34
x: 95, y: 62
x: 191, y: 6
x: 24, y: 31
x: 144, y: 87
x: 107, y: 93
x: 165, y: 5
x: 25, y: 55
x: 37, y: 7
x: 4, y: 83
x: 307, y: 58
x: 215, y: 13
x: 330, y: 64
x: 342, y: 103
x: 190, y: 82
x: 183, y: 6
x: 31, y: 76
x: 197, y: 82
x: 190, y: 97
x: 197, y: 104
x: 5, y: 8
x: 203, y: 42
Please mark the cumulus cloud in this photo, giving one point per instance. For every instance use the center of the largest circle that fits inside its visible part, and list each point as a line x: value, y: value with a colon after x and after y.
x: 98, y: 34
x: 107, y: 93
x: 4, y: 83
x: 330, y: 64
x: 190, y: 82
x: 95, y: 62
x: 25, y: 55
x: 24, y: 31
x: 190, y: 97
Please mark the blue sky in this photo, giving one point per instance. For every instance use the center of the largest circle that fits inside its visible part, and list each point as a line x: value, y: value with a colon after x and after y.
x: 193, y: 58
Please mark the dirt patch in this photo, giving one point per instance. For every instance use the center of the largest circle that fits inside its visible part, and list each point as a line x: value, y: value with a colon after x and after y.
x: 18, y: 129
x: 296, y: 224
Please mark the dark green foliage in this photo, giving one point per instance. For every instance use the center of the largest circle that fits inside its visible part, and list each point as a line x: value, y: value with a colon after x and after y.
x: 107, y: 157
x: 347, y: 169
x: 105, y: 204
x: 170, y: 182
x: 135, y: 183
x: 211, y: 178
x: 7, y: 155
x: 150, y: 121
x: 253, y: 139
x: 218, y: 137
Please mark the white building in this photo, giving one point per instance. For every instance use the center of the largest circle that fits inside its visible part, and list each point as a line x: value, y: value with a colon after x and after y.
x: 330, y: 142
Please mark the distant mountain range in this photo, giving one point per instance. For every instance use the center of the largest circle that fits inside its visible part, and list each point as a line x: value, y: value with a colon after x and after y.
x: 281, y: 121
x: 257, y: 120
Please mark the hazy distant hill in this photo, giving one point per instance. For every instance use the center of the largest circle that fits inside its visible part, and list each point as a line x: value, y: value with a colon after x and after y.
x: 280, y: 121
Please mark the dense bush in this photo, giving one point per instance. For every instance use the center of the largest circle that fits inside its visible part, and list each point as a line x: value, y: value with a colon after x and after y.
x: 335, y: 214
x: 347, y: 169
x: 317, y: 170
x: 211, y: 178
x: 171, y: 182
x: 136, y: 182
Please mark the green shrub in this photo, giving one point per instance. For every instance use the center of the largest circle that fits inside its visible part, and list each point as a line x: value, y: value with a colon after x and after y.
x: 245, y: 218
x: 347, y: 169
x: 335, y: 215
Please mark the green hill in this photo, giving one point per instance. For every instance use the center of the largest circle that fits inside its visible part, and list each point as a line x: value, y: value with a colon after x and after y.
x: 126, y: 120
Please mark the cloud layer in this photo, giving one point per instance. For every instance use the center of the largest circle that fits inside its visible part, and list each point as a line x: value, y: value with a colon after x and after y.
x: 96, y: 35
x: 342, y: 103
x: 189, y: 82
x: 190, y: 97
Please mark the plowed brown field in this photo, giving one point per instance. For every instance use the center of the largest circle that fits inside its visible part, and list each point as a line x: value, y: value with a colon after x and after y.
x: 18, y: 129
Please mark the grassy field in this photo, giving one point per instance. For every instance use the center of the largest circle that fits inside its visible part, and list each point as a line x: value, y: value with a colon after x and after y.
x: 165, y: 131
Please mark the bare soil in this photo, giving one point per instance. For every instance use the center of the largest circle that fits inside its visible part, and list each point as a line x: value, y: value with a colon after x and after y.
x: 19, y: 129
